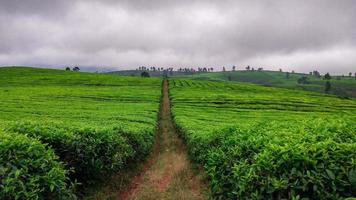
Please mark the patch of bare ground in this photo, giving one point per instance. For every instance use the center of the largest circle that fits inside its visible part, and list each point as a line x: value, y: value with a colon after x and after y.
x: 168, y: 173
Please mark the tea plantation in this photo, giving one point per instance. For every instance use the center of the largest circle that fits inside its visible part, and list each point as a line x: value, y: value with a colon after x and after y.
x: 343, y: 86
x: 62, y: 131
x: 260, y: 142
x: 60, y: 128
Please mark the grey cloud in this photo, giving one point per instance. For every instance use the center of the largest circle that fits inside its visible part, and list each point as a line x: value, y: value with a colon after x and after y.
x: 294, y: 34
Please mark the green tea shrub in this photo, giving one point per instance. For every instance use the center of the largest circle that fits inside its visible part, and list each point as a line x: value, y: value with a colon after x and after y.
x: 92, y: 154
x: 269, y: 160
x: 75, y: 115
x: 317, y: 171
x: 140, y: 142
x: 29, y: 170
x: 259, y: 142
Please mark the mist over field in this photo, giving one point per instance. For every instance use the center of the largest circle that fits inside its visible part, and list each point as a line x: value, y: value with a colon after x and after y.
x: 114, y: 35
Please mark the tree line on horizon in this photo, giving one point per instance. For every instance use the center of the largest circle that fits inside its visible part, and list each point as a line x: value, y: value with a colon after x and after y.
x: 233, y: 68
x: 303, y: 80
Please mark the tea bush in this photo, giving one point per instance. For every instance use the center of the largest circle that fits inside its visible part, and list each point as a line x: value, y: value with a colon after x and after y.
x: 279, y: 162
x: 97, y: 124
x: 29, y: 170
x: 266, y: 143
x: 91, y: 153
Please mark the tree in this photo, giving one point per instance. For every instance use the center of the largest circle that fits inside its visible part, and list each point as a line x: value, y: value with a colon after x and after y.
x: 233, y: 68
x: 248, y: 67
x: 327, y: 86
x: 224, y: 69
x: 316, y: 73
x: 303, y: 80
x: 350, y: 74
x: 76, y: 69
x: 280, y: 70
x: 327, y: 76
x: 165, y: 73
x: 67, y: 68
x: 145, y: 74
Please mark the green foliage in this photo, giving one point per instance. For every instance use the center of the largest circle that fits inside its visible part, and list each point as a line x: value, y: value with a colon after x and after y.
x: 141, y: 142
x: 96, y: 123
x: 145, y: 74
x: 327, y: 76
x: 327, y: 86
x: 283, y: 161
x: 92, y: 154
x: 267, y: 143
x: 303, y: 80
x: 28, y: 170
x: 342, y: 86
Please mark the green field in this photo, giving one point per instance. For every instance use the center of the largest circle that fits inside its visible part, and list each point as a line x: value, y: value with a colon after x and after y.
x: 95, y: 123
x: 260, y: 142
x: 341, y: 86
x: 62, y: 132
x: 78, y: 98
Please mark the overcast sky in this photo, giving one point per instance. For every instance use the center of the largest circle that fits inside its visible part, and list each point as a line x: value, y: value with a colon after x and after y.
x: 299, y: 35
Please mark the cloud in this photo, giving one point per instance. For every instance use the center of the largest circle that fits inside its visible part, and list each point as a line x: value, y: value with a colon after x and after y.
x: 298, y: 35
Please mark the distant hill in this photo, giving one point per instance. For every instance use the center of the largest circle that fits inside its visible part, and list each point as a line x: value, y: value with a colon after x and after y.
x: 152, y: 73
x: 340, y: 86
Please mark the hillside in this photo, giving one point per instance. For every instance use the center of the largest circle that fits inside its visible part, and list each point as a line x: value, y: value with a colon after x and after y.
x: 60, y: 128
x: 152, y: 73
x: 341, y: 86
x: 52, y: 94
x: 71, y: 127
x: 260, y: 142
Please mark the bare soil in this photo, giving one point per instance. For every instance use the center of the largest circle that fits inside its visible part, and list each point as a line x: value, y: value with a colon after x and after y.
x: 168, y: 173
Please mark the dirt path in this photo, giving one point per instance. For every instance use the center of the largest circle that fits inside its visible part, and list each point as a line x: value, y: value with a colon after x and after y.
x: 167, y: 174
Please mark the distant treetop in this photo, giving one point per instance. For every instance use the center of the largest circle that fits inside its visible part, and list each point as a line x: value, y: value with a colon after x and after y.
x: 76, y: 69
x: 327, y: 76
